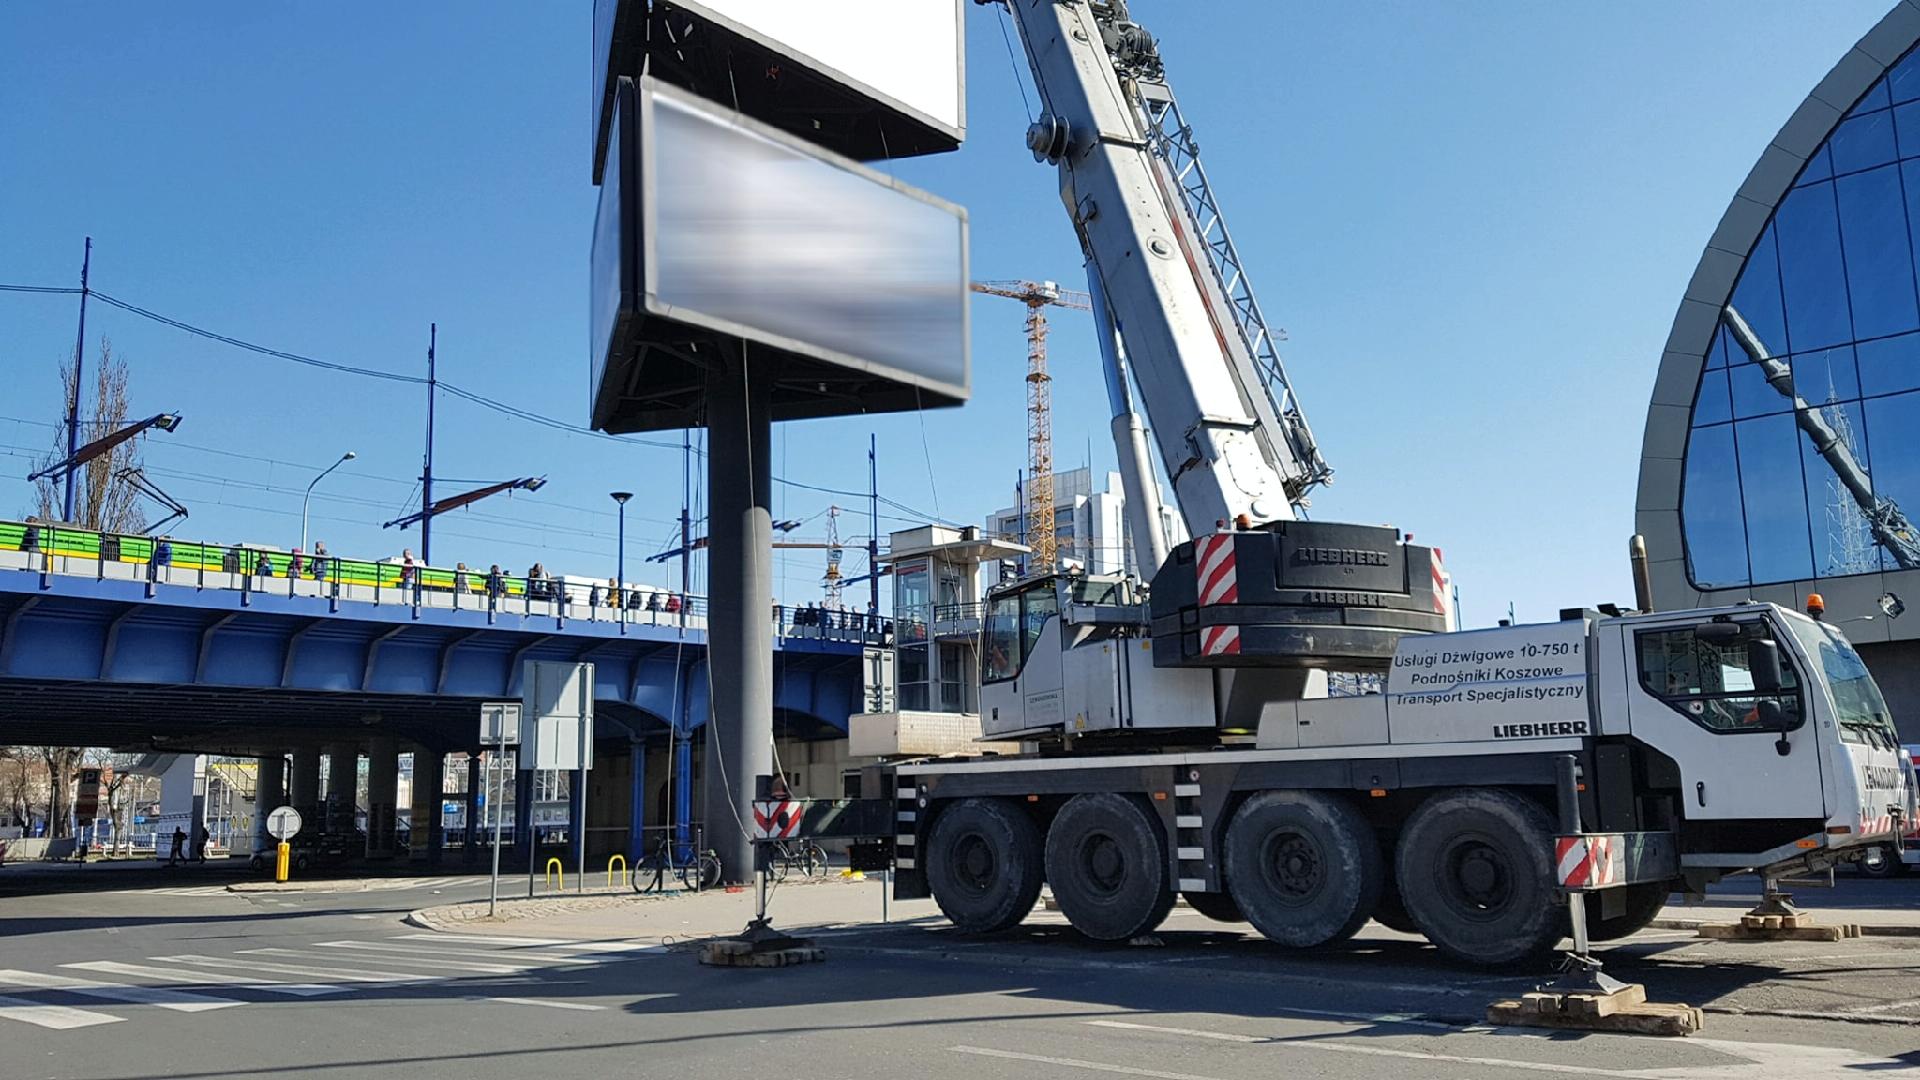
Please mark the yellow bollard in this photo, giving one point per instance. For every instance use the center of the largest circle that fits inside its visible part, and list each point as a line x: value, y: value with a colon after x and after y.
x: 280, y: 860
x: 622, y: 860
x: 555, y: 867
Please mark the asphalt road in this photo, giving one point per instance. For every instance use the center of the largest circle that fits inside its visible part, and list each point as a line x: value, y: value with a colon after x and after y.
x: 185, y: 980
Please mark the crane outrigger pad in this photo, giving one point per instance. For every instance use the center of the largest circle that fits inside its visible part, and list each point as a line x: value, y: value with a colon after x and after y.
x: 1295, y: 594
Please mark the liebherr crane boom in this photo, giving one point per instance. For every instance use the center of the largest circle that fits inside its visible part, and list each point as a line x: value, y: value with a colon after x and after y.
x: 1160, y: 262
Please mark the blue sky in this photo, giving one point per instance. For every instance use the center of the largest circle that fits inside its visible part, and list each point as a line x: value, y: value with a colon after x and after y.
x: 1474, y: 222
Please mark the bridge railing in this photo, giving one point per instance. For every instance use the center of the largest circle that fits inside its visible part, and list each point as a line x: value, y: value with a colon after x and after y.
x: 49, y: 548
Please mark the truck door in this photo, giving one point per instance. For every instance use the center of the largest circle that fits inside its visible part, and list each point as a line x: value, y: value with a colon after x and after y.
x: 1694, y: 700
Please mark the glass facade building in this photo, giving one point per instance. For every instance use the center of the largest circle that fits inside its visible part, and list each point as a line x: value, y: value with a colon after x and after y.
x: 1782, y: 450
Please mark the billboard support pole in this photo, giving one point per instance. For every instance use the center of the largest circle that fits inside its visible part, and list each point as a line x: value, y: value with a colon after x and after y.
x: 740, y: 626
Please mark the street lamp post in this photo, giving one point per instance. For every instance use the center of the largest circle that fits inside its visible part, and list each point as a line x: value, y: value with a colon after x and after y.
x: 344, y: 458
x: 620, y: 560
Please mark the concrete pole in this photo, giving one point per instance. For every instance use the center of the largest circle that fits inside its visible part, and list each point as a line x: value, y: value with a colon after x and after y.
x: 383, y: 795
x: 429, y: 769
x: 269, y: 794
x: 304, y: 787
x: 739, y: 606
x: 343, y: 783
x: 637, y: 802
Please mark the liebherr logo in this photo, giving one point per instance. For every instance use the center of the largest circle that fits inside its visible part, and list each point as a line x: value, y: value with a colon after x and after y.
x: 1540, y: 731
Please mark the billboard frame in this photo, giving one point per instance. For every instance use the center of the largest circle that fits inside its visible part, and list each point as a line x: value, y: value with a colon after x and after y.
x: 700, y: 340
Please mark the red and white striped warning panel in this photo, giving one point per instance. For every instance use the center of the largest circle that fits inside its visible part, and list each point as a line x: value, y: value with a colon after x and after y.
x: 1591, y: 861
x: 1439, y: 585
x: 776, y: 820
x: 1219, y: 583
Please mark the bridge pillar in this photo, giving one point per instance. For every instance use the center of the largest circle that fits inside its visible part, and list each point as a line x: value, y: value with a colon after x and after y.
x: 304, y: 787
x: 429, y: 770
x: 383, y: 795
x: 269, y: 794
x: 740, y: 602
x: 343, y: 783
x: 470, y: 840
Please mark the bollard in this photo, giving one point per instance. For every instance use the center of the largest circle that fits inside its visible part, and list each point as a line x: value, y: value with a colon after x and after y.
x: 622, y: 860
x: 281, y: 857
x: 556, y: 868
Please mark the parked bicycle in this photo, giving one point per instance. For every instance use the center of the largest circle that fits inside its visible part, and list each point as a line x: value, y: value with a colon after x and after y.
x: 803, y: 855
x: 695, y: 869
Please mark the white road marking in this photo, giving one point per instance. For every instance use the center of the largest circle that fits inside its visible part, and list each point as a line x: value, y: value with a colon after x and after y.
x: 206, y: 978
x: 1370, y: 1051
x: 496, y: 955
x: 582, y: 1006
x: 408, y: 960
x: 483, y: 939
x: 1076, y: 1063
x: 59, y: 1017
x: 328, y: 974
x: 176, y: 1000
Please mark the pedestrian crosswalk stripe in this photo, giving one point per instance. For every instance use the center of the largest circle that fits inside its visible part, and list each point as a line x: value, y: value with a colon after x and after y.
x: 324, y: 974
x: 580, y: 1005
x: 509, y: 955
x: 484, y: 939
x: 206, y: 978
x: 176, y: 1000
x: 52, y: 1016
x: 188, y: 890
x: 439, y: 963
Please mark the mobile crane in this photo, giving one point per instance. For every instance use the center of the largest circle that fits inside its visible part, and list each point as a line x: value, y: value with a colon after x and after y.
x: 1178, y: 740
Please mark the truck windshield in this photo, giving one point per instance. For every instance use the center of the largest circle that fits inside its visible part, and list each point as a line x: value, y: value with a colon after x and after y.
x: 1861, y: 711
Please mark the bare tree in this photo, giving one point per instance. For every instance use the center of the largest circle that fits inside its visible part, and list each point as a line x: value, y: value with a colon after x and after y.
x: 103, y: 502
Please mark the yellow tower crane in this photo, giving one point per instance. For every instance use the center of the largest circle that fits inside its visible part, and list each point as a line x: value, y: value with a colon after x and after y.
x: 1038, y: 296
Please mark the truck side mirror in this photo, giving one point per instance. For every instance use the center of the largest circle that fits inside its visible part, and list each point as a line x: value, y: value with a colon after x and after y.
x: 1763, y: 662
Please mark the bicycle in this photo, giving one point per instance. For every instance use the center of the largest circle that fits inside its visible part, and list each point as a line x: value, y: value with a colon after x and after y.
x: 804, y: 855
x: 697, y: 870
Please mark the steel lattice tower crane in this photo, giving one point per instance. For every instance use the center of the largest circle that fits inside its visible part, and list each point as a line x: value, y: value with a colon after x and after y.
x: 1038, y: 296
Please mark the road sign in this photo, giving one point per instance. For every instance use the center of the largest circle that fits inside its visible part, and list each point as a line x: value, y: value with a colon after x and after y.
x: 557, y: 704
x: 777, y: 819
x: 284, y: 823
x: 500, y: 723
x: 86, y: 802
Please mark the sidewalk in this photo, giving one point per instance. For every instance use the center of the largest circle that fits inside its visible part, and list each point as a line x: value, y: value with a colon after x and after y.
x: 1728, y: 907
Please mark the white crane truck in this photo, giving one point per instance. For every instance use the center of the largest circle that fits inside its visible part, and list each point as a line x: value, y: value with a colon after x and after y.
x: 1179, y: 737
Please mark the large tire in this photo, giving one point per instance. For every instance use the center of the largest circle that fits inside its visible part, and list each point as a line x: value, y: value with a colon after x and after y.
x: 1643, y: 906
x: 983, y: 864
x: 1304, y: 866
x: 1217, y: 906
x: 1475, y: 868
x: 1882, y: 862
x: 1107, y: 866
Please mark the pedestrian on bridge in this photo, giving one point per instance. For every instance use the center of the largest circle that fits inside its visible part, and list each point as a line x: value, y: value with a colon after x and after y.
x: 319, y: 559
x: 406, y: 567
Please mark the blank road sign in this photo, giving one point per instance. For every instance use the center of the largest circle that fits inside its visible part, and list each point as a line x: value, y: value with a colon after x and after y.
x: 556, y: 704
x: 283, y: 823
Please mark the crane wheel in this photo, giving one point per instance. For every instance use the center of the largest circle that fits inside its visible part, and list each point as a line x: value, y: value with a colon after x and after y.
x: 1217, y: 906
x: 1644, y: 902
x: 1304, y: 866
x: 1475, y: 868
x: 1107, y: 866
x: 983, y: 864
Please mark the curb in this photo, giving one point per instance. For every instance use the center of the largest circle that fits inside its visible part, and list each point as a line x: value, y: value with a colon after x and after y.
x: 297, y: 887
x: 1866, y: 929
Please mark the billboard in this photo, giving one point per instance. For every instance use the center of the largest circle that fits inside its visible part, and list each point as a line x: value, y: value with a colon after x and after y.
x: 866, y: 78
x: 845, y: 287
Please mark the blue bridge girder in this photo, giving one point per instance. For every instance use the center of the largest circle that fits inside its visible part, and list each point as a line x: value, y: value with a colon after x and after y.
x: 105, y: 660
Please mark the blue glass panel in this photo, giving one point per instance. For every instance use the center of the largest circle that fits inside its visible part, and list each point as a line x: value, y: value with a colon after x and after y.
x: 1710, y: 403
x: 1710, y: 515
x: 1873, y: 226
x: 1906, y: 129
x: 1753, y: 395
x: 1778, y: 545
x: 1826, y: 375
x: 1717, y: 354
x: 1893, y: 444
x: 1819, y: 167
x: 1875, y: 98
x: 1842, y: 540
x: 1904, y: 79
x: 1862, y: 143
x: 1757, y: 298
x: 1811, y: 276
x: 1890, y: 365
